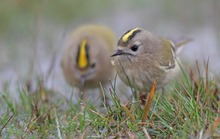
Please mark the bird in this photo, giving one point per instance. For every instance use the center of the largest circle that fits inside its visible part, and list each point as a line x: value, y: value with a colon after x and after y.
x: 85, y: 60
x: 142, y: 57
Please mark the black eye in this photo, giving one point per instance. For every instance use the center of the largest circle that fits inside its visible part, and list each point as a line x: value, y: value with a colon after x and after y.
x: 134, y: 48
x: 93, y: 65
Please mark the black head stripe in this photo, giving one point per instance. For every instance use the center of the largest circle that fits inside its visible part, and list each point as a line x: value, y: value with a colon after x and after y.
x: 133, y: 34
x: 127, y: 36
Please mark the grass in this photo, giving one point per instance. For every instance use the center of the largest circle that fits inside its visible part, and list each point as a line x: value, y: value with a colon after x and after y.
x: 189, y: 109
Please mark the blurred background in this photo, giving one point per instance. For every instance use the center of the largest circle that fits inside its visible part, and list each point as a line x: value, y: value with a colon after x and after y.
x: 33, y: 32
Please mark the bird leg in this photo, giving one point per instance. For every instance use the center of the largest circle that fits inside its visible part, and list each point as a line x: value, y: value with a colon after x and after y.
x: 81, y: 95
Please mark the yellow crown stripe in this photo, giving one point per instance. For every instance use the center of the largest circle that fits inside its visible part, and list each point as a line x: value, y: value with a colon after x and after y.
x: 83, y: 60
x: 128, y: 34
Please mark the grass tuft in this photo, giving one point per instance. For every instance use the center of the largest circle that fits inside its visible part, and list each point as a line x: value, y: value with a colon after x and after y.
x: 190, y: 108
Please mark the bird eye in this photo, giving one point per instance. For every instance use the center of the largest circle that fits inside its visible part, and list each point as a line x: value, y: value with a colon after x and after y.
x: 134, y: 48
x: 93, y: 65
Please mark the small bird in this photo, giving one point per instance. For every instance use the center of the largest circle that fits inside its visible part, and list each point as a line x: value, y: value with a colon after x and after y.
x: 86, y: 58
x: 142, y: 57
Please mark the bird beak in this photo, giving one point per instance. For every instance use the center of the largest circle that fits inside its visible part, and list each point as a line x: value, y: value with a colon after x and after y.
x: 118, y: 52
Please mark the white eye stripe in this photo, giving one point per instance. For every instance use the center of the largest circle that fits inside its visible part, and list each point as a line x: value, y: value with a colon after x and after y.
x: 137, y: 43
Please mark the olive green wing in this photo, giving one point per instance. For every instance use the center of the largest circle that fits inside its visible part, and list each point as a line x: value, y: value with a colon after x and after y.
x: 166, y: 54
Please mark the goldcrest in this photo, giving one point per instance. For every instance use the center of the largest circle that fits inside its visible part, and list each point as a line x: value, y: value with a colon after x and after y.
x: 86, y: 58
x: 142, y: 57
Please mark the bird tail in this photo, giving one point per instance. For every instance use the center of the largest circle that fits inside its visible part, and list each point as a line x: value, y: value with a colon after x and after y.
x: 181, y: 42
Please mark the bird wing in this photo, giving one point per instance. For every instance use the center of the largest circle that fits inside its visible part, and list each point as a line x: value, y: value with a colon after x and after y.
x: 166, y: 55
